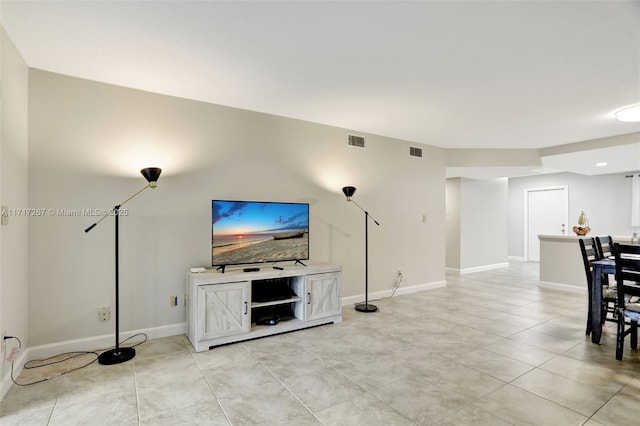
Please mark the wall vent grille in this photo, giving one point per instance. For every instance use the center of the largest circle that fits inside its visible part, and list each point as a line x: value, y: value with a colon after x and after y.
x: 414, y: 151
x: 357, y: 141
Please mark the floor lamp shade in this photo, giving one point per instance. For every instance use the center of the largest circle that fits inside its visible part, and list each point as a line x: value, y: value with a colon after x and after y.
x: 118, y: 355
x: 366, y: 306
x: 151, y: 174
x: 349, y: 191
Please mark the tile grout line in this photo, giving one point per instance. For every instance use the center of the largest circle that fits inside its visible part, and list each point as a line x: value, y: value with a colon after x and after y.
x: 226, y: 415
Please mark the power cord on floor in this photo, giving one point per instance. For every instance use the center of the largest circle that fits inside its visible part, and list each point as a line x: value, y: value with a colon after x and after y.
x: 126, y: 340
x: 396, y: 285
x: 30, y: 364
x: 44, y: 362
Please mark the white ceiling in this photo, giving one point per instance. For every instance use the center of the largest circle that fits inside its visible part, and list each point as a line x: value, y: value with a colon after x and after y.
x: 596, y: 161
x: 458, y: 74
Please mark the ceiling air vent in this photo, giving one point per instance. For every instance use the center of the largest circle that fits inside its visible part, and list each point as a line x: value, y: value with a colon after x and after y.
x: 357, y: 141
x: 414, y: 151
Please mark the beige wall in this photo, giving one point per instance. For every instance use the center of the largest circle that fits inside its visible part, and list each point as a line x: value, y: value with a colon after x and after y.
x: 452, y: 260
x: 477, y: 226
x: 13, y: 194
x: 87, y: 142
x: 484, y: 224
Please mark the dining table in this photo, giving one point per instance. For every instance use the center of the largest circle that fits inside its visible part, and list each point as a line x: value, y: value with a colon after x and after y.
x: 600, y: 267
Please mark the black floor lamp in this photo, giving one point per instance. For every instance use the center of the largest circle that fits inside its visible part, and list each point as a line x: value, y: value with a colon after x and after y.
x: 118, y: 354
x: 366, y: 306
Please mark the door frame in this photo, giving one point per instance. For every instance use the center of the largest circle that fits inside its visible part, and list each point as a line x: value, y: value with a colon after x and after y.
x: 565, y: 188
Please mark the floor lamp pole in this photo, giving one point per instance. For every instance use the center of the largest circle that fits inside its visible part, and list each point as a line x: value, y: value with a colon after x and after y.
x: 117, y: 282
x: 118, y: 355
x: 366, y: 306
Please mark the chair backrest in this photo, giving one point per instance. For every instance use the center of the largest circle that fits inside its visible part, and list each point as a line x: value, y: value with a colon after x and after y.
x: 589, y: 252
x: 605, y: 246
x: 627, y: 271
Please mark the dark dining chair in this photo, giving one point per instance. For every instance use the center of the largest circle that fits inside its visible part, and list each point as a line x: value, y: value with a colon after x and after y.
x: 590, y: 253
x: 610, y: 294
x: 605, y: 246
x: 628, y: 283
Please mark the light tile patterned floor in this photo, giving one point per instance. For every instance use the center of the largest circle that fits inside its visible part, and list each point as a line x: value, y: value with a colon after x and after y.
x: 489, y: 349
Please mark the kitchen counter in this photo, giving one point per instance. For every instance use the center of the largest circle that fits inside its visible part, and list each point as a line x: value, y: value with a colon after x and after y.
x: 561, y: 261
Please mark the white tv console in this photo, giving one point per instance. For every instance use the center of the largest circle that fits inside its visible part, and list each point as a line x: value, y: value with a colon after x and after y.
x: 220, y: 307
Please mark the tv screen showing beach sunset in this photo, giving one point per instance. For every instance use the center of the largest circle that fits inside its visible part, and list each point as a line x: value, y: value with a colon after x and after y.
x: 246, y: 232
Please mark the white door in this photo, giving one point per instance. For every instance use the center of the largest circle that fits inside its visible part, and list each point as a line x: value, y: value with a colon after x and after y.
x: 546, y: 214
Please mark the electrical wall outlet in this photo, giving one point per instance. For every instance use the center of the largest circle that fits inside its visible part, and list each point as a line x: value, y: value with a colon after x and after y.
x: 104, y: 313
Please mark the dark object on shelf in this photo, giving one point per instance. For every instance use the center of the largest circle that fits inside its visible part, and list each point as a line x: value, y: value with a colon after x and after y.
x: 272, y: 315
x: 270, y: 290
x: 251, y: 269
x: 268, y: 320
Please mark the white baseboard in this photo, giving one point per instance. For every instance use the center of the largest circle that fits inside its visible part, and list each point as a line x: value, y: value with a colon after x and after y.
x: 104, y: 341
x: 563, y: 287
x: 6, y: 382
x: 478, y: 268
x: 420, y: 287
x: 518, y: 258
x: 351, y: 300
x: 86, y: 344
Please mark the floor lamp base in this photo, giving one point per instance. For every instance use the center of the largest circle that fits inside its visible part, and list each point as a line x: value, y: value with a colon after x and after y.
x: 110, y: 357
x: 366, y: 307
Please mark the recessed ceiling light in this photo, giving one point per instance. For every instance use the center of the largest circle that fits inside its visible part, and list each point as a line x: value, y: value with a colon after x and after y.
x: 601, y: 164
x: 628, y: 114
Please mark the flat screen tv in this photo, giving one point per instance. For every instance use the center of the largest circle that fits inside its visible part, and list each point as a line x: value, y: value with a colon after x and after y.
x: 248, y: 232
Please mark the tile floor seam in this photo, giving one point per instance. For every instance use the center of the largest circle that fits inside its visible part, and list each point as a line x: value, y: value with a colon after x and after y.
x: 603, y: 405
x: 553, y: 402
x: 288, y: 390
x: 555, y: 355
x: 497, y: 415
x: 363, y: 389
x: 135, y: 386
x: 570, y: 378
x: 53, y: 409
x: 213, y: 392
x: 575, y: 381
